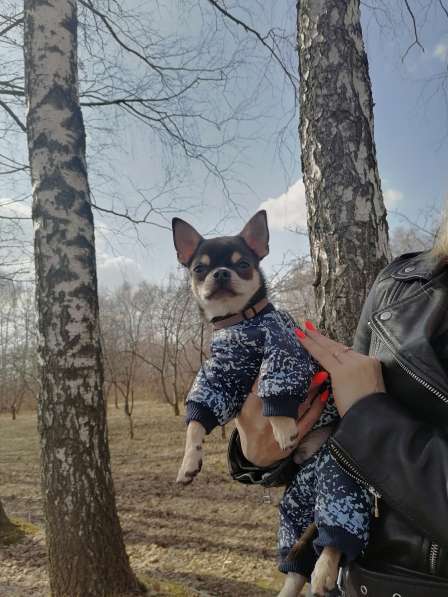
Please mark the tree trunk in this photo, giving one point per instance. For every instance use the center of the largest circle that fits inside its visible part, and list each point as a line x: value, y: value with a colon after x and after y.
x: 4, y: 520
x: 346, y: 214
x: 9, y: 532
x: 87, y: 556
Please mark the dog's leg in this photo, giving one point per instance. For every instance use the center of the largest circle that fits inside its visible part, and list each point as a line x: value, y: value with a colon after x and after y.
x: 325, y: 573
x: 294, y: 583
x: 285, y: 431
x: 192, y: 462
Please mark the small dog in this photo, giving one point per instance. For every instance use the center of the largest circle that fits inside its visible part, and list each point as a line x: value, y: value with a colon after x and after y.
x: 253, y: 341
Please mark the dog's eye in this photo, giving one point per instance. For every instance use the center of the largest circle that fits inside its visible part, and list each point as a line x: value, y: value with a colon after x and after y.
x: 243, y: 264
x: 199, y: 269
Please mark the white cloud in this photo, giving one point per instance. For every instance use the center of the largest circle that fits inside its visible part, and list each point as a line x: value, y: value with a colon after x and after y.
x: 113, y: 270
x: 113, y: 267
x: 391, y: 197
x: 288, y: 210
x: 441, y: 52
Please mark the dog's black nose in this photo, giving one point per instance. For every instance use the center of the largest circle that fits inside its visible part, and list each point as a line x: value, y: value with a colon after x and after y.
x: 222, y: 274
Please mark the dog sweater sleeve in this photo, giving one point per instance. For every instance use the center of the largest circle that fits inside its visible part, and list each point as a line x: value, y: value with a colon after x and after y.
x: 285, y: 372
x: 225, y: 379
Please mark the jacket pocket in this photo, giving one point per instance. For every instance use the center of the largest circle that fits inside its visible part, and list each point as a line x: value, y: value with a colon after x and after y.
x: 359, y: 581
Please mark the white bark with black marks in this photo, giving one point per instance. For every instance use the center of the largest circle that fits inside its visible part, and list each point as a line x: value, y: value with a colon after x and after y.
x: 85, y: 545
x: 346, y: 214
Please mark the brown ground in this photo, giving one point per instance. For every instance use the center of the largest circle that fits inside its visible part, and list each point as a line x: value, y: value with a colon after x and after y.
x: 213, y: 538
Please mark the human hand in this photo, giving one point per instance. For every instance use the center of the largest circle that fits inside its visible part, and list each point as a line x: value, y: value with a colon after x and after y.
x: 257, y: 439
x: 353, y: 375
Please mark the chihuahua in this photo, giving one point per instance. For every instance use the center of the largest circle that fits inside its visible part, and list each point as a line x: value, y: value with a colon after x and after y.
x: 226, y: 281
x: 255, y: 343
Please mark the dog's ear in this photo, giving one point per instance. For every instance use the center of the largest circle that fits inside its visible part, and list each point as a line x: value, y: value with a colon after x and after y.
x: 256, y: 234
x: 186, y: 240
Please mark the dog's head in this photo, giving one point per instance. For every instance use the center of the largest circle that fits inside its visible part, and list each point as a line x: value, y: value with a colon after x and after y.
x: 224, y: 271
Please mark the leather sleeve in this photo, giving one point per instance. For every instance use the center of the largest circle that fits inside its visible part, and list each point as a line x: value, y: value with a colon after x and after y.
x: 405, y: 460
x: 362, y: 337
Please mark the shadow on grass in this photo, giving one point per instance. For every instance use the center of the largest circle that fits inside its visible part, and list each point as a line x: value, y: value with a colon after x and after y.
x: 199, y: 544
x: 13, y: 531
x: 183, y: 584
x: 169, y: 515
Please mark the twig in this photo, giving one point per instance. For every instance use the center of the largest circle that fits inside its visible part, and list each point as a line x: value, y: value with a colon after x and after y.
x: 128, y: 217
x: 121, y: 43
x: 13, y: 115
x: 411, y: 222
x: 443, y: 7
x: 260, y: 38
x: 416, y: 41
x: 11, y: 26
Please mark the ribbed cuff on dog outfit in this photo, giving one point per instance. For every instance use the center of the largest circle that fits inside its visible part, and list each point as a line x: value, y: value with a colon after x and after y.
x: 303, y: 564
x: 280, y: 406
x: 196, y: 411
x: 350, y: 545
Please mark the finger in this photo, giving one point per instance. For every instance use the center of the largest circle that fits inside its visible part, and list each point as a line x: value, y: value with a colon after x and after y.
x: 317, y: 382
x: 322, y: 340
x: 336, y: 349
x: 323, y: 354
x: 306, y: 423
x: 324, y: 396
x: 318, y: 379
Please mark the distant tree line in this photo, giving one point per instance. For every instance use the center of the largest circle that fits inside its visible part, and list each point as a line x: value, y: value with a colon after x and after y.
x: 153, y: 336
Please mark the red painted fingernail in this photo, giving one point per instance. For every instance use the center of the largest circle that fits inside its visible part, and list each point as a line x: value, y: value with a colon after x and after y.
x: 324, y: 396
x: 299, y: 333
x: 320, y: 377
x: 309, y: 326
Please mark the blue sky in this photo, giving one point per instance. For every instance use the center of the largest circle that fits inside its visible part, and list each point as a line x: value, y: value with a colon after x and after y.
x: 411, y: 133
x: 411, y: 129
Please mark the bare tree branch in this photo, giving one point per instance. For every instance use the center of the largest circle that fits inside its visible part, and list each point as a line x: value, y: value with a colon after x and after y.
x: 260, y: 38
x: 88, y: 4
x: 443, y: 7
x: 126, y: 216
x: 140, y: 100
x: 14, y: 218
x: 416, y: 41
x: 13, y: 115
x: 15, y: 23
x: 412, y: 223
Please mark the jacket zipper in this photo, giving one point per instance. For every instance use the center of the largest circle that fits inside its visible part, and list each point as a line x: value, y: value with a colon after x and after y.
x: 355, y: 475
x: 421, y: 381
x: 434, y: 552
x: 434, y: 548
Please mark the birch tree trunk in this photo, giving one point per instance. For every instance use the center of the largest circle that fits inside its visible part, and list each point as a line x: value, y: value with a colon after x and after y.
x: 87, y: 556
x: 346, y: 214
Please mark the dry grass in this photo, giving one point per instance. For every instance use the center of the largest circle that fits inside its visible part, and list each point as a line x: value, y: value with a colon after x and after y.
x: 213, y: 538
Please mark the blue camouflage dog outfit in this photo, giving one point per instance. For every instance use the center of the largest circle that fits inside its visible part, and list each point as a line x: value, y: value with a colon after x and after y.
x: 321, y: 491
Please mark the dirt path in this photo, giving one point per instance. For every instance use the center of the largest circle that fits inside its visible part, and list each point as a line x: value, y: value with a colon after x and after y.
x: 213, y: 538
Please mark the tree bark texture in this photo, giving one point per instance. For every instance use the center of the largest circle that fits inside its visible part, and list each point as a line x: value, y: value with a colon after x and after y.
x: 87, y: 555
x: 4, y: 520
x: 9, y: 531
x: 346, y: 215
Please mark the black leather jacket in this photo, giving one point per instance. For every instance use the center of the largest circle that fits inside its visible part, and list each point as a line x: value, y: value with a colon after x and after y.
x: 398, y: 442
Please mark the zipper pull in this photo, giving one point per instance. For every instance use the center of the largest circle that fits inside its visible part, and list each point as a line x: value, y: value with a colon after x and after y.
x: 377, y: 510
x: 340, y: 581
x: 376, y: 498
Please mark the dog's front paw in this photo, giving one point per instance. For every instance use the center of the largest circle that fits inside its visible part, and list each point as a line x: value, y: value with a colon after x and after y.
x: 294, y: 583
x: 191, y: 465
x: 285, y: 432
x: 325, y: 573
